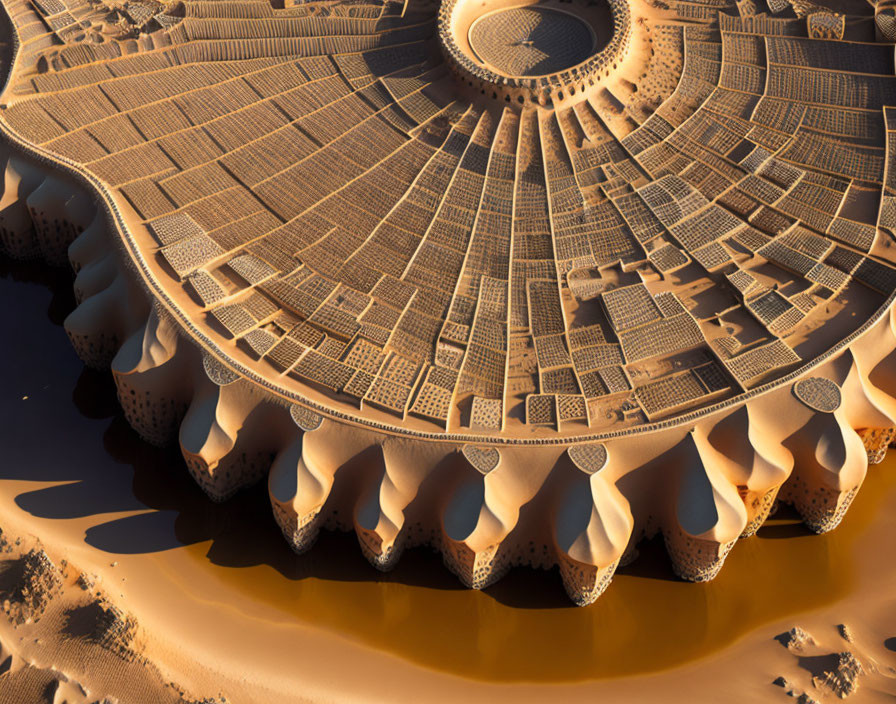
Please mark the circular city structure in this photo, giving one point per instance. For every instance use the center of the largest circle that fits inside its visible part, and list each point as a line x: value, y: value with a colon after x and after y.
x: 525, y: 282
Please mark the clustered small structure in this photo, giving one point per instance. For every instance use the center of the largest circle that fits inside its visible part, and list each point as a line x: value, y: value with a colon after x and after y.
x: 520, y: 319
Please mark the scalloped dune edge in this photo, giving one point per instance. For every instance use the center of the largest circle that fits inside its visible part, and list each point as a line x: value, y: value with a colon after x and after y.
x: 581, y: 507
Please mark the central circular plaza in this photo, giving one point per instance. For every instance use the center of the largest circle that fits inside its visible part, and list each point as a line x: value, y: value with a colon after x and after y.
x: 542, y: 52
x: 531, y: 40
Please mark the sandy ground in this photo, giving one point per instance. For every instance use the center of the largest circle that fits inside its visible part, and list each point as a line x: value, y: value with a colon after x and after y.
x: 120, y: 581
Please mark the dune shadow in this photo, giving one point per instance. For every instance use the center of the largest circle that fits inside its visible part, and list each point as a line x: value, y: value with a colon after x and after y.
x: 80, y: 499
x: 153, y: 531
x: 94, y: 395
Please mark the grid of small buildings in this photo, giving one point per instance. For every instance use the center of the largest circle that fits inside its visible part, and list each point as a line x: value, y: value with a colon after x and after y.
x: 353, y: 227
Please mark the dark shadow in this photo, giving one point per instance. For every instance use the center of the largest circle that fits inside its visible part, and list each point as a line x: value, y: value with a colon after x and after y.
x: 145, y: 532
x: 14, y: 578
x: 819, y: 665
x: 783, y: 638
x: 652, y: 561
x: 77, y: 500
x: 58, y: 281
x: 420, y: 566
x: 83, y: 621
x: 94, y: 395
x: 713, y: 302
x: 890, y: 644
x: 785, y: 523
x: 99, y: 624
x: 784, y: 530
x: 530, y: 588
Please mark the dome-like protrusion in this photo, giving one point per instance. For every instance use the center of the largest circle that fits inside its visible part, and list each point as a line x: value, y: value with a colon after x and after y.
x: 152, y: 374
x: 830, y: 465
x: 592, y: 528
x: 708, y: 514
